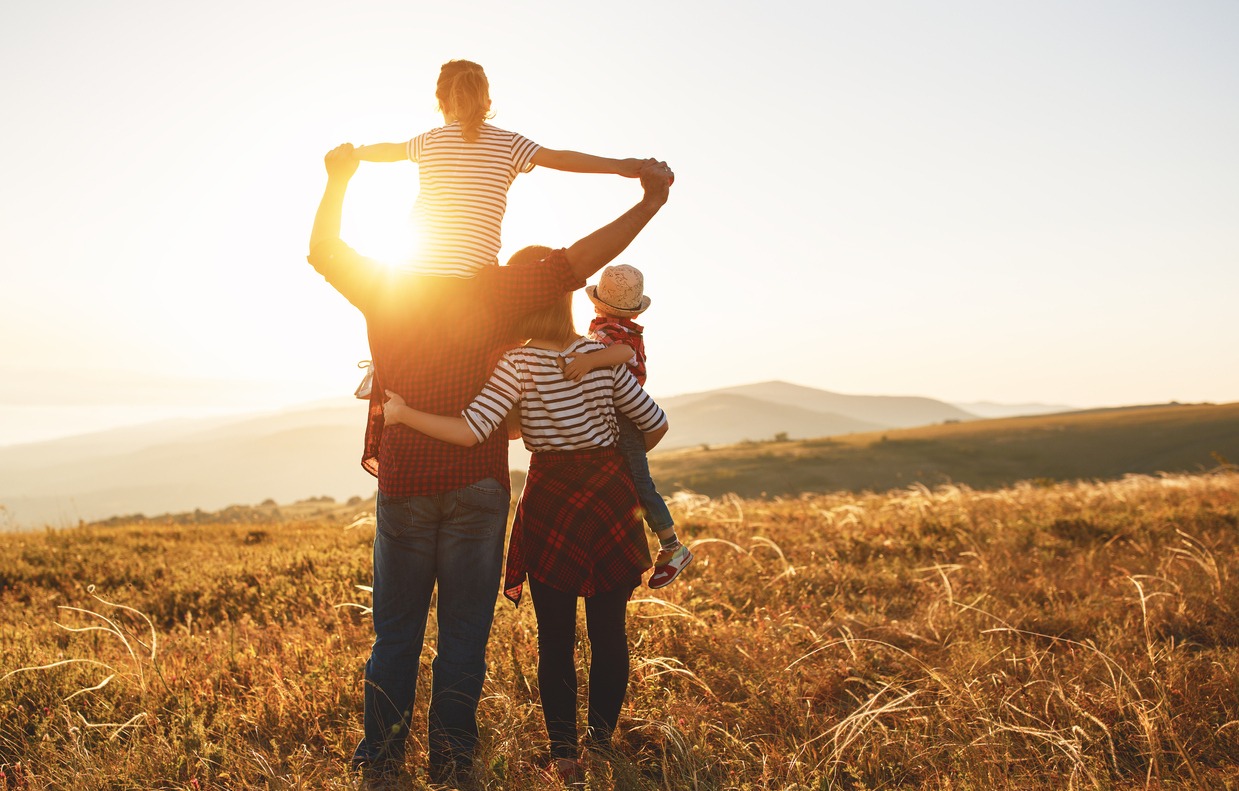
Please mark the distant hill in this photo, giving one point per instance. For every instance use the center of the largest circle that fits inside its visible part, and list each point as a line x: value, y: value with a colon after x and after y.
x: 202, y: 472
x: 313, y: 451
x: 876, y: 411
x: 989, y: 409
x: 985, y: 453
x: 724, y: 417
x: 333, y: 412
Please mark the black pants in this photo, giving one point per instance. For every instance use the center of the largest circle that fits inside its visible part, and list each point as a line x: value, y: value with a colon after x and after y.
x: 608, y: 670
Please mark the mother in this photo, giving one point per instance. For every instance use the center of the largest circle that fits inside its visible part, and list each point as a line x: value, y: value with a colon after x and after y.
x: 577, y: 530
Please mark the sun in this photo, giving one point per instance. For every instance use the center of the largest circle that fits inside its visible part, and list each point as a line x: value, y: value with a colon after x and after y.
x: 378, y: 213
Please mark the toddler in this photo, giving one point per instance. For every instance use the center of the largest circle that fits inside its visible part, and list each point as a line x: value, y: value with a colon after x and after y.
x: 618, y: 299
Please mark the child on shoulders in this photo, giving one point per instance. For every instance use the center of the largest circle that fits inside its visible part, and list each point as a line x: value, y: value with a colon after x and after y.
x: 465, y: 169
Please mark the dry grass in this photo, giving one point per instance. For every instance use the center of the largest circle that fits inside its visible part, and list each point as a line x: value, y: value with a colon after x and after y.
x: 1081, y: 635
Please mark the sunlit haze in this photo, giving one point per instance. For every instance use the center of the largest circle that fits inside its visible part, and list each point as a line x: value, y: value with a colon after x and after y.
x: 1013, y: 202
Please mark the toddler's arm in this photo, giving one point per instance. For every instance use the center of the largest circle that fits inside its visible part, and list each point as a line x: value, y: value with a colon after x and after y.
x: 576, y: 162
x: 382, y: 152
x: 615, y: 354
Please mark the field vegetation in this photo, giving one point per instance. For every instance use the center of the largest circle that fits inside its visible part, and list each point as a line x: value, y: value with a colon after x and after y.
x: 1040, y: 636
x: 1107, y: 443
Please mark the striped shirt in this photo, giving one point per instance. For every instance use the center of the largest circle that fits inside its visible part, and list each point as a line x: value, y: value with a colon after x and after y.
x: 556, y: 413
x: 463, y: 195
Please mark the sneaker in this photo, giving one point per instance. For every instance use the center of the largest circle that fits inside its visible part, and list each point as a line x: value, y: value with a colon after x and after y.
x: 454, y: 774
x: 564, y: 772
x: 669, y: 565
x: 386, y: 778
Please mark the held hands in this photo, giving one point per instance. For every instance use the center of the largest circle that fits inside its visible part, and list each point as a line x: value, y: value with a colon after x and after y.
x: 631, y: 168
x: 341, y: 162
x: 656, y: 180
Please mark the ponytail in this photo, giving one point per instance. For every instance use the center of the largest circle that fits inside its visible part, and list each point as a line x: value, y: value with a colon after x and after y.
x: 464, y: 93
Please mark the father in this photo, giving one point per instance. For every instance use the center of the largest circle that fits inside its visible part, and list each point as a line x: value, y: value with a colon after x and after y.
x: 442, y: 509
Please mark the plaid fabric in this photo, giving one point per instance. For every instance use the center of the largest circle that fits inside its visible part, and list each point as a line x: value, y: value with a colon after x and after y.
x: 578, y: 525
x: 610, y: 329
x: 435, y: 340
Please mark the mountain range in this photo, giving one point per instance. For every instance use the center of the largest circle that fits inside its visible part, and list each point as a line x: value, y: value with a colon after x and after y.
x: 314, y: 450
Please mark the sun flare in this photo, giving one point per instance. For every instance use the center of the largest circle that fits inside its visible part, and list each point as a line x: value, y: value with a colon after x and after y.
x: 378, y: 219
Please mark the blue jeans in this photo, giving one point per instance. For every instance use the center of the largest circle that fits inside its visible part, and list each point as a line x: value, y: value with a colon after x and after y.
x: 632, y: 445
x: 456, y: 540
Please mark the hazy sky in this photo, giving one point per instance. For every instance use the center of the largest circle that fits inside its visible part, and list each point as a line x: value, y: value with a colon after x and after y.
x: 1015, y: 201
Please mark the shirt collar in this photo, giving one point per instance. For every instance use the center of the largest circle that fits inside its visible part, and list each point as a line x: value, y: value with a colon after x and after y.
x: 628, y: 324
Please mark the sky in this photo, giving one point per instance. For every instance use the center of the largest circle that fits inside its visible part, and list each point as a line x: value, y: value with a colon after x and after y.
x: 1014, y: 202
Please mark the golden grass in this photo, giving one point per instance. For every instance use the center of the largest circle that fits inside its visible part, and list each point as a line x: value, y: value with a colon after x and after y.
x: 1074, y: 635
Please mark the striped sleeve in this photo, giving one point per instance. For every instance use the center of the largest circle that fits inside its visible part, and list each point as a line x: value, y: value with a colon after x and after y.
x: 523, y: 150
x: 635, y: 402
x: 414, y: 147
x: 501, y: 392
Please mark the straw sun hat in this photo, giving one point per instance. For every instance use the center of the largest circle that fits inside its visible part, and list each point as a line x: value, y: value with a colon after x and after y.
x: 619, y: 292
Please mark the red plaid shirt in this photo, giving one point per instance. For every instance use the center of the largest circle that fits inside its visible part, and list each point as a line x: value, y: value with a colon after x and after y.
x: 435, y: 341
x: 578, y: 526
x: 610, y: 330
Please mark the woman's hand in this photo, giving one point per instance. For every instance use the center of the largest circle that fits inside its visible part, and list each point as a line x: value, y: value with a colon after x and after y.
x: 392, y: 407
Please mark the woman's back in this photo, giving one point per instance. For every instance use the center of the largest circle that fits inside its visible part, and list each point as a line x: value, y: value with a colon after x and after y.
x: 558, y: 414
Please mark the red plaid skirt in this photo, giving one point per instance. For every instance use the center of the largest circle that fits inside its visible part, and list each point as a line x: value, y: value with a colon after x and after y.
x: 578, y: 525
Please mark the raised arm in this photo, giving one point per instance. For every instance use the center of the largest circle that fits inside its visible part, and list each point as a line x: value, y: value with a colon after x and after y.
x: 590, y: 254
x: 340, y: 166
x: 447, y: 429
x: 382, y: 152
x: 361, y: 280
x: 576, y: 162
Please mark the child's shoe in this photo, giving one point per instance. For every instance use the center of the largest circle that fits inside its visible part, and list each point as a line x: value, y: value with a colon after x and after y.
x: 565, y: 771
x: 669, y: 565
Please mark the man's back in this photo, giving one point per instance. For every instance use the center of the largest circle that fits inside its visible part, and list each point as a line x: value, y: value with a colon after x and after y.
x: 435, y: 341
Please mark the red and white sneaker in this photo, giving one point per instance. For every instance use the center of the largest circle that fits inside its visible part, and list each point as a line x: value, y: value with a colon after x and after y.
x: 669, y: 565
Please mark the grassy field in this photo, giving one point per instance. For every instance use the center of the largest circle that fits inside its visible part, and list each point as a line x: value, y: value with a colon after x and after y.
x: 1049, y: 636
x: 984, y: 453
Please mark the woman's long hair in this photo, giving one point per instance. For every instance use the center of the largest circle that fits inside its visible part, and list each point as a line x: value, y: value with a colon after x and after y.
x: 553, y: 322
x: 464, y: 95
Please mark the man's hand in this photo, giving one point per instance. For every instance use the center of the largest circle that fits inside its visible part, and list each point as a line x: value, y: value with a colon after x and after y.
x: 656, y: 179
x: 341, y: 163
